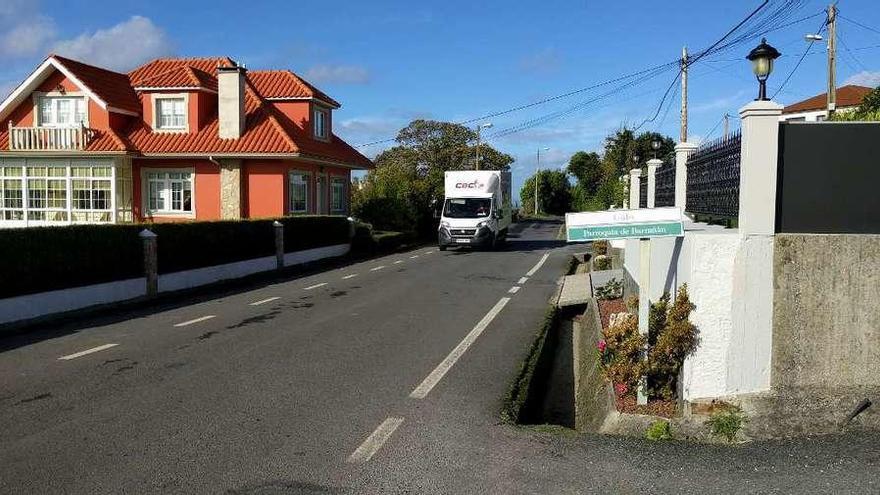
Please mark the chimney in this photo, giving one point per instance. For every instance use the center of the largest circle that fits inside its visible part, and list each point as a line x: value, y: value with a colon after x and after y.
x: 230, y: 101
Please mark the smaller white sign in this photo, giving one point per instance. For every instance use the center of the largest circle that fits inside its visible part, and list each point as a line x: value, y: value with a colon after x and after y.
x: 643, y: 223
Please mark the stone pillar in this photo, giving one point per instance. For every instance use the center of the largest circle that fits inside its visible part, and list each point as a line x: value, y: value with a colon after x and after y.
x: 653, y: 165
x: 230, y: 189
x: 279, y: 244
x: 625, y: 180
x: 151, y: 262
x: 757, y: 180
x: 635, y: 183
x: 682, y: 151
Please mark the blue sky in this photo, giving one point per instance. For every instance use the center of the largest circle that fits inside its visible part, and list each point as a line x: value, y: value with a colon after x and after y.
x: 389, y: 62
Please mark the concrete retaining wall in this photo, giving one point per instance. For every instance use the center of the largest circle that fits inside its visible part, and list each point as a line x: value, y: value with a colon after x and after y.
x: 593, y: 396
x: 17, y: 309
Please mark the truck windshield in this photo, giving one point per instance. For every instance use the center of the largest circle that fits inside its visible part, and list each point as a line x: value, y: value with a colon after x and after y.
x: 467, y: 207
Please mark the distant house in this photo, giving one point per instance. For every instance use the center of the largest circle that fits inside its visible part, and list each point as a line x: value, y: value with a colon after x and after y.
x: 815, y: 109
x: 172, y: 140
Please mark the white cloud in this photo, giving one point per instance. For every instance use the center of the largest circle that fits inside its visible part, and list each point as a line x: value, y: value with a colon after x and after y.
x: 121, y: 47
x: 24, y: 32
x: 339, y: 74
x: 865, y: 78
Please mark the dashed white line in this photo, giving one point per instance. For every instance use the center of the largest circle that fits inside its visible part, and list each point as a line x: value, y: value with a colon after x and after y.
x: 85, y: 352
x: 413, y: 256
x: 353, y: 275
x: 514, y: 289
x: 197, y: 320
x: 377, y: 268
x: 375, y: 441
x: 322, y: 284
x: 398, y: 262
x: 428, y: 252
x: 434, y: 378
x: 264, y: 301
x: 523, y: 280
x: 538, y: 265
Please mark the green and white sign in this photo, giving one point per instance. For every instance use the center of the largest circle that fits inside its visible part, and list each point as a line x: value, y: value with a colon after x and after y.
x: 623, y: 224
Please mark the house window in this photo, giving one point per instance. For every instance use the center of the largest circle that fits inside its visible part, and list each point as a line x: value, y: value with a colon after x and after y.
x: 91, y: 194
x: 57, y: 111
x: 169, y: 192
x: 299, y: 192
x: 11, y: 193
x: 337, y: 195
x: 56, y: 193
x: 46, y: 193
x: 171, y: 113
x: 319, y: 123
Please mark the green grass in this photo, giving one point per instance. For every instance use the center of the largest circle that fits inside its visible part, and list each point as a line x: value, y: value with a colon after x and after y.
x: 517, y: 395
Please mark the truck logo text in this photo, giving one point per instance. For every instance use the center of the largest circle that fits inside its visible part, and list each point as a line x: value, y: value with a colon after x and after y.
x: 469, y: 185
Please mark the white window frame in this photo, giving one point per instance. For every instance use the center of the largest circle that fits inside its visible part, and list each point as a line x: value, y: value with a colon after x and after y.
x: 55, y: 97
x: 157, y: 98
x: 308, y: 183
x: 338, y: 180
x: 325, y: 123
x: 166, y: 192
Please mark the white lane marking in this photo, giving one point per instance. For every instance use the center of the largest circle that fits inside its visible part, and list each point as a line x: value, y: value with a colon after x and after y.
x: 375, y: 441
x: 377, y: 268
x: 353, y: 275
x: 264, y: 301
x: 434, y: 378
x: 197, y: 320
x: 537, y: 265
x: 398, y: 262
x: 322, y: 284
x: 85, y: 352
x: 413, y: 256
x: 514, y: 289
x: 428, y: 252
x: 523, y: 280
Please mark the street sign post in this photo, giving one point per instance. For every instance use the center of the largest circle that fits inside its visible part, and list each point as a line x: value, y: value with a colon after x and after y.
x: 643, y: 224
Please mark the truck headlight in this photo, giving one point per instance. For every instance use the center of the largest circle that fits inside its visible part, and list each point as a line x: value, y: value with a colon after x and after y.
x: 445, y: 224
x: 484, y: 223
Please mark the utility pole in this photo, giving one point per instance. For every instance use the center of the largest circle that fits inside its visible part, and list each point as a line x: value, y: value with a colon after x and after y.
x: 684, y: 95
x: 479, y: 129
x: 832, y: 59
x: 537, y: 175
x: 726, y: 126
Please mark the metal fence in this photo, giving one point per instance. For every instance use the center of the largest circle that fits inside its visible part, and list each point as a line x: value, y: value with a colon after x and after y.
x: 664, y: 185
x: 643, y: 190
x: 713, y: 178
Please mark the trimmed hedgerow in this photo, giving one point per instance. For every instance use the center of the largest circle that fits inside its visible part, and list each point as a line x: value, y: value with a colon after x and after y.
x: 41, y: 259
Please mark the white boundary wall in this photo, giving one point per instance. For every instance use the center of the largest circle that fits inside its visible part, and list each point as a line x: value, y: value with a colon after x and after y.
x: 58, y: 301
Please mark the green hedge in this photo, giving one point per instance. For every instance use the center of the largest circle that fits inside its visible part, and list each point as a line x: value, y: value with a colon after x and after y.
x: 48, y: 258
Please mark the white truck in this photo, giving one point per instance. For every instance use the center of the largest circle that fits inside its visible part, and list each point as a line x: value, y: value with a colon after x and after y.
x: 477, y: 209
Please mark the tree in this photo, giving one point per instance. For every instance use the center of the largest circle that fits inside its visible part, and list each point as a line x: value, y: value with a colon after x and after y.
x: 867, y: 111
x: 554, y: 193
x: 587, y: 169
x: 407, y: 182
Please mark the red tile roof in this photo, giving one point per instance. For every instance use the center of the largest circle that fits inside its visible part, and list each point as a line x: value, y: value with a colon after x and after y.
x: 112, y: 87
x: 285, y: 84
x: 174, y: 71
x: 847, y: 96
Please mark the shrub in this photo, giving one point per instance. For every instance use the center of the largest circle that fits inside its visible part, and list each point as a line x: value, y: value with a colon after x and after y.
x: 677, y: 339
x: 600, y: 247
x: 659, y: 430
x: 727, y: 422
x: 611, y: 290
x: 601, y: 262
x: 386, y: 213
x: 389, y: 241
x: 620, y: 353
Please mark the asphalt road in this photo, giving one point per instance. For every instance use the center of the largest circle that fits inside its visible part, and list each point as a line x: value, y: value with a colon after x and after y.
x: 380, y: 377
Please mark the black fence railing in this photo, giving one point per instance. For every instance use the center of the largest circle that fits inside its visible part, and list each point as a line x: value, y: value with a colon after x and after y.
x: 713, y: 178
x: 643, y: 191
x: 664, y: 186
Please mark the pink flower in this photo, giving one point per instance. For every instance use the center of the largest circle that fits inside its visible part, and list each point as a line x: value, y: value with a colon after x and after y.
x: 601, y: 345
x: 620, y: 388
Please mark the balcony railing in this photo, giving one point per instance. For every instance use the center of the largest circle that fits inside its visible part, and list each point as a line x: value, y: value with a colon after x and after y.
x: 74, y: 138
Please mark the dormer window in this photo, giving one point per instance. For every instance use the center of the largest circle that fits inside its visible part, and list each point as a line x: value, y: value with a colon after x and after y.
x: 320, y: 123
x: 170, y: 113
x: 62, y: 111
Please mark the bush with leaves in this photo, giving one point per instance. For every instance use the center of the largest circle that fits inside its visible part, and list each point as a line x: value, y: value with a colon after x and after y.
x: 659, y: 430
x: 727, y: 422
x: 601, y: 262
x: 674, y: 341
x: 620, y: 354
x: 613, y: 289
x: 600, y: 247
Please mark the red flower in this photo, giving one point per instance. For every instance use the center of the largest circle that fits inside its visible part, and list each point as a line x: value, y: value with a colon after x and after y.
x: 620, y: 388
x: 601, y: 345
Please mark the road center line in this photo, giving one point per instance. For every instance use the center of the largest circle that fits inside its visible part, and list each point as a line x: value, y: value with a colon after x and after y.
x: 514, y: 289
x: 322, y: 284
x: 375, y: 441
x: 434, y: 378
x: 86, y: 352
x: 353, y: 275
x: 538, y: 265
x: 264, y: 301
x: 377, y: 268
x: 428, y: 252
x: 197, y: 320
x: 523, y: 280
x: 413, y: 256
x: 398, y: 262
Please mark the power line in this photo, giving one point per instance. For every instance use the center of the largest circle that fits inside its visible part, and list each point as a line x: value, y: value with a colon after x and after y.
x: 859, y: 24
x: 800, y: 60
x: 850, y: 53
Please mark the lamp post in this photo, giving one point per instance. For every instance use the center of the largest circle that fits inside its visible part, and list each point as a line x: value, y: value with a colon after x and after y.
x: 480, y: 128
x: 537, y: 175
x: 655, y: 145
x: 762, y: 57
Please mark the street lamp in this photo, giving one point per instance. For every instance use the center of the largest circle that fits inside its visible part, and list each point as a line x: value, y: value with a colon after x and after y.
x: 655, y: 145
x: 762, y: 57
x: 537, y: 174
x: 480, y: 128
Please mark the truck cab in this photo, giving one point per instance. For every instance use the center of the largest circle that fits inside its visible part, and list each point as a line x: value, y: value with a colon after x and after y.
x: 476, y: 209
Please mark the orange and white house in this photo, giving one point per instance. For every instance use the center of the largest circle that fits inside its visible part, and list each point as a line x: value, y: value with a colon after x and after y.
x: 172, y: 140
